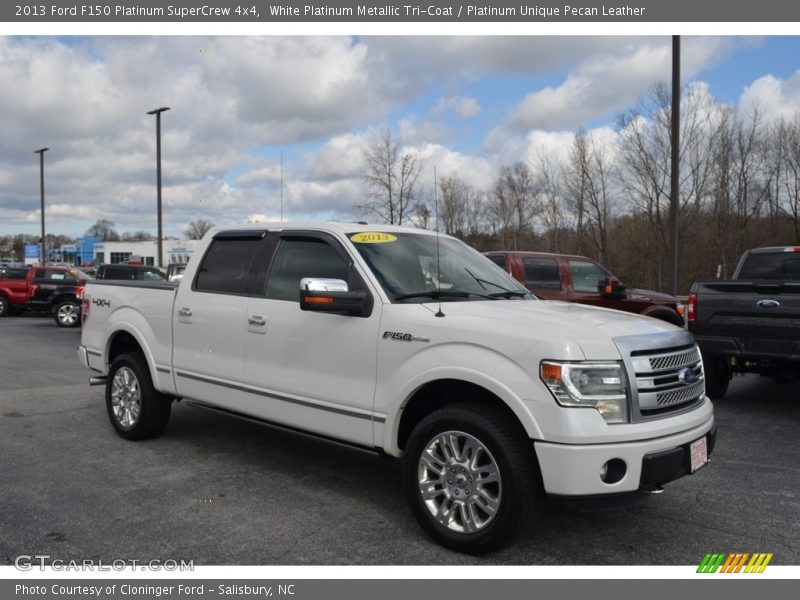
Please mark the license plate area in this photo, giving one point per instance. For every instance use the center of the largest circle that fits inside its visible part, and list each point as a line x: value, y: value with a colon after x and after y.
x: 698, y: 454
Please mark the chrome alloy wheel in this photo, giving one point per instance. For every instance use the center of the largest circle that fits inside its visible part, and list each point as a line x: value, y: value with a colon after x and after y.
x: 459, y: 482
x: 67, y: 314
x: 126, y: 397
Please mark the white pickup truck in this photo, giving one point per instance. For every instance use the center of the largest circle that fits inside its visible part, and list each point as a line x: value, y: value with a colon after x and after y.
x: 413, y: 345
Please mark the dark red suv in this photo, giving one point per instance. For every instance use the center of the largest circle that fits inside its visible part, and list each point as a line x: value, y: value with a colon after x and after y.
x: 582, y: 280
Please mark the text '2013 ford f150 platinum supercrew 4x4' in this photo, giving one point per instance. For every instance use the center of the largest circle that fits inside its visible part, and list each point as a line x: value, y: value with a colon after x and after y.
x: 413, y: 345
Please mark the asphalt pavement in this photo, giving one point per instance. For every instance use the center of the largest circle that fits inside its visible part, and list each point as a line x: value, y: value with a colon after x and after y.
x: 221, y: 491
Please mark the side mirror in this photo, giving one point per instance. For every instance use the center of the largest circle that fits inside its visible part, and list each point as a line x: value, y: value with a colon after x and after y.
x: 333, y: 296
x: 611, y: 287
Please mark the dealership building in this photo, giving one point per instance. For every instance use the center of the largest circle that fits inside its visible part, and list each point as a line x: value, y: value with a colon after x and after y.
x: 175, y: 251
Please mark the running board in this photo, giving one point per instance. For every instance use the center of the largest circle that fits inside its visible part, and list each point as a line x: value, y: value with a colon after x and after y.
x: 97, y: 380
x: 315, y: 436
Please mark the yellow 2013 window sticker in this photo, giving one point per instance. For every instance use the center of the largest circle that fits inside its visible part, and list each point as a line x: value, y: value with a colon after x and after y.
x: 372, y: 237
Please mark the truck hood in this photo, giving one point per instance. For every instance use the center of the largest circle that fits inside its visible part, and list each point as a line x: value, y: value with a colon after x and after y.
x: 588, y: 327
x: 650, y: 296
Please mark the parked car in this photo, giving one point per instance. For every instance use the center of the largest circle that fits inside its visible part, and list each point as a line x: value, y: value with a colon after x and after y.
x: 414, y: 346
x: 579, y: 279
x: 750, y: 323
x: 54, y: 290
x: 128, y: 272
x: 13, y: 290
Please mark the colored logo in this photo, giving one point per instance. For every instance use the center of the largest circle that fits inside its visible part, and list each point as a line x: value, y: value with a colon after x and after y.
x: 737, y: 562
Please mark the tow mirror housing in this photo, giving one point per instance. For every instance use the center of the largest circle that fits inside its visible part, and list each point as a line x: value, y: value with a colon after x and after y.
x: 611, y: 287
x: 333, y: 296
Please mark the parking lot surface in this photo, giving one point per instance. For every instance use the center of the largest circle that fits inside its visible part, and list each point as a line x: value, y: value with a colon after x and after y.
x: 221, y: 491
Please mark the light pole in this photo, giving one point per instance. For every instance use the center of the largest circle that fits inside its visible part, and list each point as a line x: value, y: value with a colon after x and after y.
x: 157, y: 112
x: 674, y: 196
x: 41, y: 152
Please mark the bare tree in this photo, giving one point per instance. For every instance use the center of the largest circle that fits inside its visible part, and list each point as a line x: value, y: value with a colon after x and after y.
x: 197, y: 228
x: 742, y: 181
x: 575, y: 177
x: 137, y: 236
x: 104, y: 229
x: 644, y: 159
x: 549, y: 174
x: 789, y: 180
x: 392, y: 178
x: 513, y: 203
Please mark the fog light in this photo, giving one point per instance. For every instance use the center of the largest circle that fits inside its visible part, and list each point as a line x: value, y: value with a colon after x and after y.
x: 613, y: 471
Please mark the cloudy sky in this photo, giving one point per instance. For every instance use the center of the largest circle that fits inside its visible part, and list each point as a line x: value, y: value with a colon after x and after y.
x: 468, y: 105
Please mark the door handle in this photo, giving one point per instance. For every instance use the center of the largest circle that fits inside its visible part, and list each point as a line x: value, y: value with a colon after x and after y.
x: 184, y: 312
x: 257, y: 320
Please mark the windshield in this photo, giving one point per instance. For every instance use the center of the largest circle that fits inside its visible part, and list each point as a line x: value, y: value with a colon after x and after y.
x: 407, y: 268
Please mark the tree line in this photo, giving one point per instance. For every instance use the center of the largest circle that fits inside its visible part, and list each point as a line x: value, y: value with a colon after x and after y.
x: 609, y: 200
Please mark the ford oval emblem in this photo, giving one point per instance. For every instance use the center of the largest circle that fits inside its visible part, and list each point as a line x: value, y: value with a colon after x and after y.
x: 688, y: 376
x: 768, y: 303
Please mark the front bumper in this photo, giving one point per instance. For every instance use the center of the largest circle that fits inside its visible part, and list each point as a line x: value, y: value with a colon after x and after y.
x: 574, y: 470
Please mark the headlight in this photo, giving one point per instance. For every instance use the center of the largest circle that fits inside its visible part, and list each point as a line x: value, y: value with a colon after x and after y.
x: 599, y: 385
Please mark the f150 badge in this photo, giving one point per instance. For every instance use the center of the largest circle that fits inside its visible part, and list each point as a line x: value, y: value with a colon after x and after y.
x: 403, y: 337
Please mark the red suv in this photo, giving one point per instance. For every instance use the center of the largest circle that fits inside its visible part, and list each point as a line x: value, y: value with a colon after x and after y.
x: 582, y: 280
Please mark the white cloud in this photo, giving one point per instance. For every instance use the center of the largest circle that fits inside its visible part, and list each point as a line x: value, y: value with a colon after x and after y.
x: 772, y: 96
x: 236, y: 101
x: 607, y: 83
x: 464, y: 106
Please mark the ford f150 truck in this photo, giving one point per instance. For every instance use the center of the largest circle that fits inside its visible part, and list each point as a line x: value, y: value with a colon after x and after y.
x: 412, y: 345
x: 582, y: 280
x: 750, y: 324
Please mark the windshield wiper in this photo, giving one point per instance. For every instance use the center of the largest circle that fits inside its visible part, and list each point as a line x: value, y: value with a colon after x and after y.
x: 436, y: 294
x: 506, y: 293
x: 510, y: 294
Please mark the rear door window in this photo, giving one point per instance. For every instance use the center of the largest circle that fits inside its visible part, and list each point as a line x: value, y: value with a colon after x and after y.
x: 541, y: 273
x: 226, y: 265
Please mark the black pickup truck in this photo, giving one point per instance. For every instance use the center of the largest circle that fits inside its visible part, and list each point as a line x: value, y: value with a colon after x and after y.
x: 751, y: 323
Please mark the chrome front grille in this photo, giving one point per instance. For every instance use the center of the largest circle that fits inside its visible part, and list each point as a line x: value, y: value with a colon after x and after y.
x: 667, y: 379
x: 674, y: 360
x: 682, y: 395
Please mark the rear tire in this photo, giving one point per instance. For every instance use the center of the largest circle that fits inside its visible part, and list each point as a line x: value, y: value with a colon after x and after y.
x: 67, y: 313
x: 718, y: 377
x: 471, y: 477
x: 136, y: 409
x: 5, y: 306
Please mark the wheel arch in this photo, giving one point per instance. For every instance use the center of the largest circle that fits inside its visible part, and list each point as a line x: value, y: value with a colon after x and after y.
x: 437, y: 393
x: 125, y: 341
x: 665, y: 314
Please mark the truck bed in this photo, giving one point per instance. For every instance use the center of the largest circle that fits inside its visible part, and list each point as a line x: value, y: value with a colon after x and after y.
x: 143, y: 309
x: 756, y: 319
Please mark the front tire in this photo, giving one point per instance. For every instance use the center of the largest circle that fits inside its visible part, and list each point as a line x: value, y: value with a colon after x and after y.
x: 5, y: 306
x: 67, y: 314
x: 136, y: 409
x: 470, y: 477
